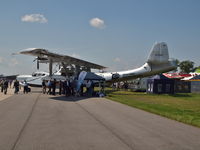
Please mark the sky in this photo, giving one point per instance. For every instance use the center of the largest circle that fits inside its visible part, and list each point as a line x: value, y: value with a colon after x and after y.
x: 113, y: 33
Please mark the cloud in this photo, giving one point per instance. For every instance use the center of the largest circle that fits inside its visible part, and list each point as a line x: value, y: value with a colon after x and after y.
x: 117, y: 59
x: 13, y: 62
x: 76, y: 55
x: 1, y: 60
x: 97, y: 23
x: 34, y: 18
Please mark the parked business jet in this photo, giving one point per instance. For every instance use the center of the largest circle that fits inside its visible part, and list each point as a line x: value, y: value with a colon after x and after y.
x: 157, y: 62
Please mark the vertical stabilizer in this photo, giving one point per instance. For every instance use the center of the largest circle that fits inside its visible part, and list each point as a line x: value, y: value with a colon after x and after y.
x: 159, y: 54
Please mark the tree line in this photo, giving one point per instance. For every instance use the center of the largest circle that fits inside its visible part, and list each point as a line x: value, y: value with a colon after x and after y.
x: 186, y: 66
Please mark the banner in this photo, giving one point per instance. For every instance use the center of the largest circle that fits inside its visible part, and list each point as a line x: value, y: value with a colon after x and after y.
x: 81, y: 78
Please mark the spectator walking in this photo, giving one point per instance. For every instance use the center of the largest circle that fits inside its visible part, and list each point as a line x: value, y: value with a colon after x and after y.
x: 5, y: 86
x: 16, y: 86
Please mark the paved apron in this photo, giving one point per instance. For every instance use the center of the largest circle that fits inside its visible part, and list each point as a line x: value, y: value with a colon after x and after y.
x: 41, y: 122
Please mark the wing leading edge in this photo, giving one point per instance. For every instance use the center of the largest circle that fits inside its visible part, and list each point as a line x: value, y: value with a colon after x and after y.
x: 43, y: 53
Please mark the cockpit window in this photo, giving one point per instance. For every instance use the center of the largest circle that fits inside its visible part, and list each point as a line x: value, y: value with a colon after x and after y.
x: 38, y: 74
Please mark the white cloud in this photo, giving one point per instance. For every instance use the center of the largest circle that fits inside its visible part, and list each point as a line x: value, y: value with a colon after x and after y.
x: 1, y: 60
x: 76, y: 55
x: 97, y: 23
x: 34, y: 18
x: 117, y: 59
x: 13, y: 62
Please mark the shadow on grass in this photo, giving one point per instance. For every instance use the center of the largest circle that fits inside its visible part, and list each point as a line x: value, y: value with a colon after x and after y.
x: 123, y: 92
x: 118, y: 92
x: 180, y: 95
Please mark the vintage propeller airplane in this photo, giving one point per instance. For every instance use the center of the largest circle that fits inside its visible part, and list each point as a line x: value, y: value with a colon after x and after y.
x: 157, y: 62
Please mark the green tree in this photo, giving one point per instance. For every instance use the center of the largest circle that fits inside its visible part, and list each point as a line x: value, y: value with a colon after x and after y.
x: 196, y: 69
x: 186, y: 66
x: 177, y: 63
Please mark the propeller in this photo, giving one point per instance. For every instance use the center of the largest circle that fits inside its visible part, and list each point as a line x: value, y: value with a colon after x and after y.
x: 58, y: 65
x: 38, y: 65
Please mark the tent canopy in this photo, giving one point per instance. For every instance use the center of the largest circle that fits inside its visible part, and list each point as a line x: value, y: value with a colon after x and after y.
x: 160, y: 76
x: 197, y: 77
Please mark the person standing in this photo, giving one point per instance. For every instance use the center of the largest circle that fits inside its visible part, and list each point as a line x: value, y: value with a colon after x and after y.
x: 65, y: 87
x: 88, y: 86
x: 10, y: 83
x: 25, y: 87
x: 60, y: 87
x: 16, y: 86
x: 43, y: 87
x: 5, y: 86
x: 1, y: 84
x: 49, y: 84
x: 54, y: 87
x: 73, y: 86
x: 81, y: 90
x: 68, y: 88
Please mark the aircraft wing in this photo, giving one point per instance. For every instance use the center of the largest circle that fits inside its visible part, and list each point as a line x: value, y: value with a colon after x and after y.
x: 9, y: 77
x: 43, y: 54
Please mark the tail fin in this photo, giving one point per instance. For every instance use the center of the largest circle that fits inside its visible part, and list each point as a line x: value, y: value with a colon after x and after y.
x: 159, y: 54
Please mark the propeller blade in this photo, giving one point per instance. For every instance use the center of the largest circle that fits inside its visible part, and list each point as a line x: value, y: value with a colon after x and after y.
x: 38, y: 65
x: 36, y: 58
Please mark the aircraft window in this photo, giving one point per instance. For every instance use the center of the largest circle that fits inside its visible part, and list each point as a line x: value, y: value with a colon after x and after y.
x: 37, y: 74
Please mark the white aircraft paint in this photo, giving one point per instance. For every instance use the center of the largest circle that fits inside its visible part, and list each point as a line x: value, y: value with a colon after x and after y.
x: 157, y: 62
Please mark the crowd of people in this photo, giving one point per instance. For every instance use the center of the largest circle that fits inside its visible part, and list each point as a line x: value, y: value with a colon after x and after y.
x: 67, y: 87
x: 5, y: 84
x: 120, y: 85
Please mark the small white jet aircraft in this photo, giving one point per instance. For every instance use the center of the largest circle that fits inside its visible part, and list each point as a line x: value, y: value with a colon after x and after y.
x: 157, y: 62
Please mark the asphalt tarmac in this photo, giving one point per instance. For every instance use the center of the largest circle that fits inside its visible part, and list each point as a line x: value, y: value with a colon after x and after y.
x: 36, y: 121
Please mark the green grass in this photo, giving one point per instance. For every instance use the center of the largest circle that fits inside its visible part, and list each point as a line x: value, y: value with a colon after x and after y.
x: 181, y: 107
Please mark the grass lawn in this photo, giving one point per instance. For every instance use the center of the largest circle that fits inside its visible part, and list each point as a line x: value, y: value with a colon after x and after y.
x: 181, y: 107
